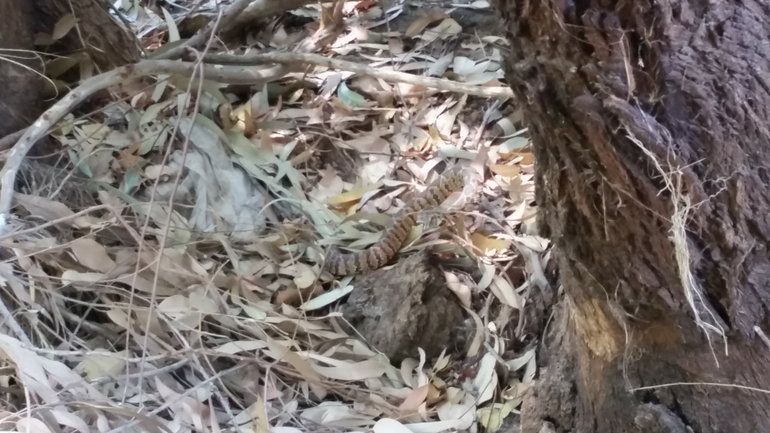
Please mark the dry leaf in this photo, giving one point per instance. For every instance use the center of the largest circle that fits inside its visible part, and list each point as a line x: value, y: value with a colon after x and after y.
x: 505, y: 292
x: 96, y: 365
x: 354, y: 194
x: 462, y: 291
x: 387, y: 425
x: 423, y: 21
x: 31, y: 425
x: 508, y: 171
x: 485, y: 382
x: 92, y: 255
x: 63, y: 26
x: 350, y: 371
x: 283, y: 353
x: 414, y: 400
x: 49, y: 210
x: 488, y: 244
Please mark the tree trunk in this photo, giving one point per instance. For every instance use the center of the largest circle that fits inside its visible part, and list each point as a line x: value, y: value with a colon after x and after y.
x: 21, y: 86
x: 20, y: 80
x: 108, y: 43
x: 636, y: 109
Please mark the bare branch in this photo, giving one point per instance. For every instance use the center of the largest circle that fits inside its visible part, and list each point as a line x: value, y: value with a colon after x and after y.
x: 296, y: 58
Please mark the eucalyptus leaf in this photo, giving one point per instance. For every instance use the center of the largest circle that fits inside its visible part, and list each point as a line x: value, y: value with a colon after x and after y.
x: 514, y: 143
x: 349, y: 97
x: 131, y: 179
x: 82, y: 166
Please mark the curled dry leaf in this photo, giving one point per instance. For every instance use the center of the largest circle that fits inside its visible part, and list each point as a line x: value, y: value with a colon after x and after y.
x: 509, y: 171
x: 415, y: 399
x: 492, y: 417
x: 462, y: 291
x: 489, y: 244
x: 234, y: 347
x: 335, y: 414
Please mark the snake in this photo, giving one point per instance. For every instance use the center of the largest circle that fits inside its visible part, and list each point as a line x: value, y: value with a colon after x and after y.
x: 380, y: 253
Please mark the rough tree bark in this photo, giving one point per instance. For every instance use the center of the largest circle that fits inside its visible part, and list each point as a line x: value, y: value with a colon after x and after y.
x: 619, y: 97
x: 20, y: 82
x: 21, y: 86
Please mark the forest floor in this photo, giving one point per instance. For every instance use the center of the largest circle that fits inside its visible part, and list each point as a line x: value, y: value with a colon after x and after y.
x: 187, y: 293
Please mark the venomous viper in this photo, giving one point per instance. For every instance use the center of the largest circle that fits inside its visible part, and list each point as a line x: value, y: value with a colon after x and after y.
x: 388, y: 245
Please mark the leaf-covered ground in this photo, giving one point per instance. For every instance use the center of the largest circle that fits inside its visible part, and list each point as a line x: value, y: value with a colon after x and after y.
x: 169, y: 278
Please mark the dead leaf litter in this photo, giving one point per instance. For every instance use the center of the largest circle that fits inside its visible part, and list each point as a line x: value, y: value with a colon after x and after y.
x: 185, y: 292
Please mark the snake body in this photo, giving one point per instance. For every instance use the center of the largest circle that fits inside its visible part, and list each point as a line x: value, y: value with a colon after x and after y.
x: 377, y: 255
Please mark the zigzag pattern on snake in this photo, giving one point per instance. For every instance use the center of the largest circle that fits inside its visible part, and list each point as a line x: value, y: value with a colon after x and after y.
x: 377, y: 255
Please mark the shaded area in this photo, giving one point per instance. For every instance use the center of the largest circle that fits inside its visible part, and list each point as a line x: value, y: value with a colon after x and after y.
x: 407, y: 306
x: 24, y: 92
x: 636, y: 110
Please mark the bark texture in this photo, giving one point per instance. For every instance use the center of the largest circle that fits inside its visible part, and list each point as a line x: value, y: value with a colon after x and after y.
x: 108, y: 43
x: 21, y: 86
x: 20, y: 80
x: 619, y: 97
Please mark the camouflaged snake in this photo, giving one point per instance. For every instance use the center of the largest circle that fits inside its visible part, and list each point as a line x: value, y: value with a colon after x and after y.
x: 377, y: 255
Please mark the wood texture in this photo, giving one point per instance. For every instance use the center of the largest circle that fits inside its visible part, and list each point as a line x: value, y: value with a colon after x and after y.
x: 620, y: 98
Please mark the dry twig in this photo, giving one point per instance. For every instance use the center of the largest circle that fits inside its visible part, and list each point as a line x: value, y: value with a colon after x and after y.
x: 245, y: 75
x: 296, y: 58
x: 331, y: 26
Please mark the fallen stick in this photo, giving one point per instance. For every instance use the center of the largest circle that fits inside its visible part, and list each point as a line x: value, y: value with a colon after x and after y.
x: 295, y: 58
x: 250, y: 75
x: 242, y: 75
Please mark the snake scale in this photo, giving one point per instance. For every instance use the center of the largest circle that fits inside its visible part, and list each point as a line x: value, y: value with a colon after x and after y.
x: 377, y: 255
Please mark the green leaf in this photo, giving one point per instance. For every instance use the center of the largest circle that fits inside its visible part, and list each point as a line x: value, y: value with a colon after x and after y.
x: 131, y: 180
x: 80, y: 164
x: 349, y: 97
